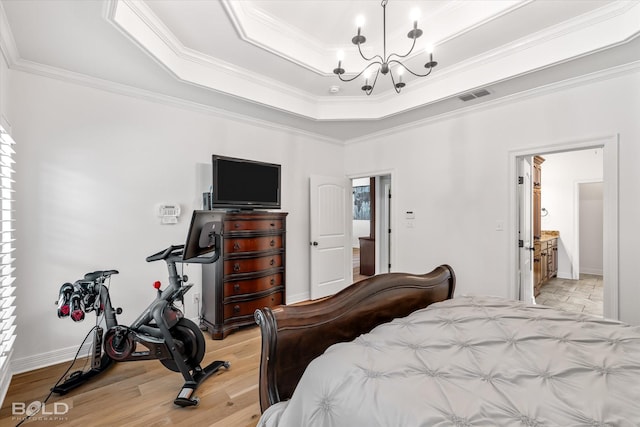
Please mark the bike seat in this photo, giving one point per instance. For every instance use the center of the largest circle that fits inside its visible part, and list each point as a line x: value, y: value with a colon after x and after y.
x: 96, y: 274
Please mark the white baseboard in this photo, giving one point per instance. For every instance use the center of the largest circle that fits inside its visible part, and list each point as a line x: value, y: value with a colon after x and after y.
x: 42, y: 360
x: 302, y: 296
x: 565, y: 275
x: 589, y: 270
x: 37, y: 361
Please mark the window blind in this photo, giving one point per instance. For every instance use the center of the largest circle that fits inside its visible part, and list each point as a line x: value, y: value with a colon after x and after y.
x: 7, y: 299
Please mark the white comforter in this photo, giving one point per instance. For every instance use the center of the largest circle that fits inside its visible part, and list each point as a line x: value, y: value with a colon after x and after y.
x: 474, y: 361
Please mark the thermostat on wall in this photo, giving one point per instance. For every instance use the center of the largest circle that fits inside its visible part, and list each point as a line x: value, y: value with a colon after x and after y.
x: 169, y: 213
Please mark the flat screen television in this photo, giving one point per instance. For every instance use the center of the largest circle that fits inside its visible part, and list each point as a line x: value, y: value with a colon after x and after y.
x: 245, y: 184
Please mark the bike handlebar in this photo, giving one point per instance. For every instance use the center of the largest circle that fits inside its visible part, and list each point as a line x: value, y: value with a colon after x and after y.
x: 166, y: 253
x: 178, y: 250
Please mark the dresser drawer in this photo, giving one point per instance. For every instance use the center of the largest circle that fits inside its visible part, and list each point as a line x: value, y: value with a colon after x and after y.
x: 241, y: 287
x: 250, y: 265
x: 252, y: 244
x: 254, y: 225
x: 247, y: 308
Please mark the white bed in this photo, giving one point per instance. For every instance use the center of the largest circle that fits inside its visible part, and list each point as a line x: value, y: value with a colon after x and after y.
x: 473, y: 361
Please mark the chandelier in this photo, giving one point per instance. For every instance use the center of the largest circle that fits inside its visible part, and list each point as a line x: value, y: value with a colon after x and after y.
x: 384, y: 64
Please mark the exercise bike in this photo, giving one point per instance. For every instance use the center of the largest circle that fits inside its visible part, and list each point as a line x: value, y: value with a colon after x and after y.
x: 161, y: 331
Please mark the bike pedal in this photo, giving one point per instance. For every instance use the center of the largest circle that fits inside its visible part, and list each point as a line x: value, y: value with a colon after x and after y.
x: 184, y: 398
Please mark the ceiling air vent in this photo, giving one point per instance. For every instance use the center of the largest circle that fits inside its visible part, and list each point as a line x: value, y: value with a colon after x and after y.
x: 473, y: 95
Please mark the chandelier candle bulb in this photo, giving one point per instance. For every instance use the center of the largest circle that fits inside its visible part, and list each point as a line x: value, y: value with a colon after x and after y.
x: 400, y: 84
x: 414, y: 16
x: 339, y: 70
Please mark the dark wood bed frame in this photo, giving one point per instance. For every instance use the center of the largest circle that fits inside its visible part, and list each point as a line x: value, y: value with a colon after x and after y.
x: 292, y: 336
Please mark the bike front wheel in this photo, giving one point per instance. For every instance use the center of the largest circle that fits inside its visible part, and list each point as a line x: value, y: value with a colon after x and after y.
x: 190, y: 341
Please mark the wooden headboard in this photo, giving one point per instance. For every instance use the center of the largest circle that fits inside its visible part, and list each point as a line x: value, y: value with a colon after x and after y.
x: 292, y: 336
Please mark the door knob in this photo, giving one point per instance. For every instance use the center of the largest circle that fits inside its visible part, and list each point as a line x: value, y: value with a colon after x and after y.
x: 314, y: 243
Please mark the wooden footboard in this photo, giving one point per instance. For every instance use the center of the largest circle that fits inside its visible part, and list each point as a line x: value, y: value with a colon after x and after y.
x: 292, y: 336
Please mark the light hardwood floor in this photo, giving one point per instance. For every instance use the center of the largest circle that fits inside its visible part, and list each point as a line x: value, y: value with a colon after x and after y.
x: 142, y: 393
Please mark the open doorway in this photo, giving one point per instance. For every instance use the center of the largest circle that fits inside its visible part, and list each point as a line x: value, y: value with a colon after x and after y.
x: 584, y: 292
x: 568, y: 260
x: 371, y: 226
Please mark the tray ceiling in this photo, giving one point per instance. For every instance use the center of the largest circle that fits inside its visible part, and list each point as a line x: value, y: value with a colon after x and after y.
x: 272, y: 59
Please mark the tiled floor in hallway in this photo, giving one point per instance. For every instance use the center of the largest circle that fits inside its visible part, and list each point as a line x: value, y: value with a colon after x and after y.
x: 582, y: 296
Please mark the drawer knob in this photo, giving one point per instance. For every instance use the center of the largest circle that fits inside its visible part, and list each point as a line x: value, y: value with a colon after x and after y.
x: 272, y: 224
x: 273, y: 280
x: 236, y: 225
x: 236, y: 246
x: 236, y: 287
x: 236, y: 308
x: 236, y: 267
x: 272, y: 243
x: 272, y: 262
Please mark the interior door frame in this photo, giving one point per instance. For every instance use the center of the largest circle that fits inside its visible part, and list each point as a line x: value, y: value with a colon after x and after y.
x: 392, y: 236
x: 609, y: 145
x: 526, y: 291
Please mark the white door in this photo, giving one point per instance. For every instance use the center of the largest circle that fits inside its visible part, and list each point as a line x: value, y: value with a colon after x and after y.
x: 525, y: 230
x: 331, y: 257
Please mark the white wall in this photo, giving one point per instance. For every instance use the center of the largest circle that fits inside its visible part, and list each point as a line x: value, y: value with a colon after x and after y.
x: 590, y: 228
x: 361, y: 228
x: 561, y: 174
x: 93, y: 165
x: 4, y: 98
x: 454, y: 171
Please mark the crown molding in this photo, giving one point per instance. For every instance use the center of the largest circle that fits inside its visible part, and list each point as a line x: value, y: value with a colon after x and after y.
x: 582, y: 26
x: 294, y: 45
x: 286, y: 41
x: 7, y: 42
x: 603, y: 28
x: 610, y: 73
x: 146, y: 95
x: 138, y: 22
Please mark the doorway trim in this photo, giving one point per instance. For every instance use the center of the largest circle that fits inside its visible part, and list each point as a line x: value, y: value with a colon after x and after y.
x: 609, y: 144
x: 392, y: 237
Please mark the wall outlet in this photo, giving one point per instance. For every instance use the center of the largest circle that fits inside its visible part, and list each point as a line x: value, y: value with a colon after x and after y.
x: 196, y: 298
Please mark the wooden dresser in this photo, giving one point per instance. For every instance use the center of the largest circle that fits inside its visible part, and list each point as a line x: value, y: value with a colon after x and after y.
x: 250, y: 273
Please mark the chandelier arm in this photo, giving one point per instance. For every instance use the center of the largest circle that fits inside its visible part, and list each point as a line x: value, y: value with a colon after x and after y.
x: 369, y: 59
x: 406, y: 54
x: 361, y: 72
x: 395, y: 61
x: 393, y: 82
x: 373, y: 85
